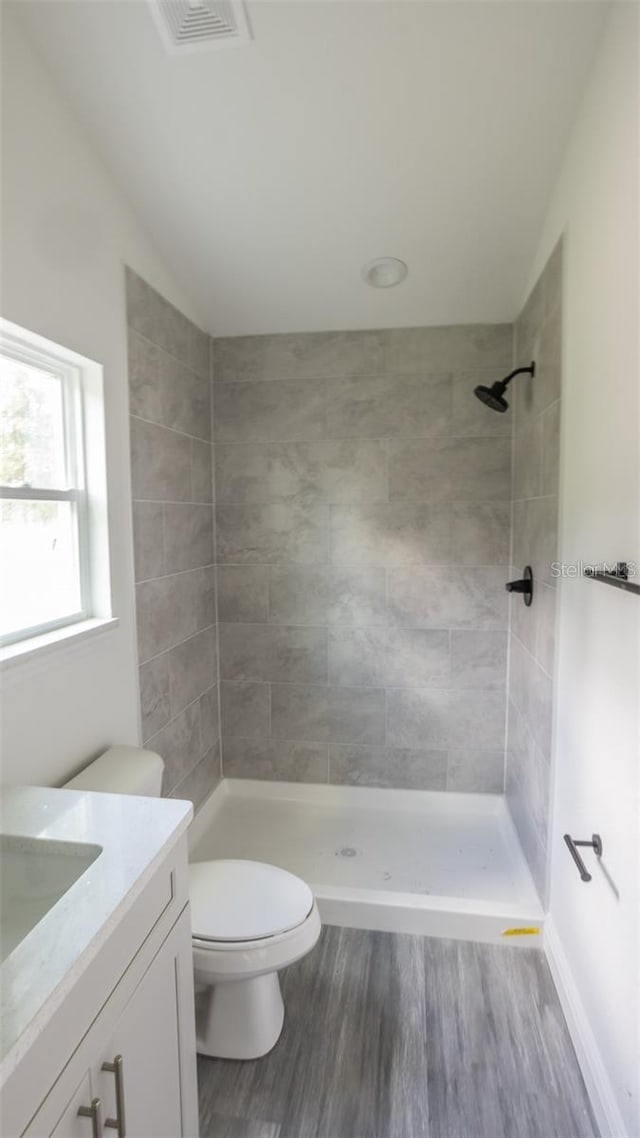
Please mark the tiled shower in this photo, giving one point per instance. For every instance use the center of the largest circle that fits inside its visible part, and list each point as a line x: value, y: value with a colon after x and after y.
x: 536, y: 458
x: 362, y: 515
x: 368, y: 512
x: 173, y: 529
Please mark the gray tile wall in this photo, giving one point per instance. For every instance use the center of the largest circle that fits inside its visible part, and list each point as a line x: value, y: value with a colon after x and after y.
x: 173, y: 524
x: 362, y: 531
x: 366, y: 509
x: 536, y: 447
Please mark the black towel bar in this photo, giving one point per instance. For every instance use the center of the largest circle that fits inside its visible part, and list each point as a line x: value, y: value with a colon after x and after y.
x: 596, y: 846
x: 619, y: 579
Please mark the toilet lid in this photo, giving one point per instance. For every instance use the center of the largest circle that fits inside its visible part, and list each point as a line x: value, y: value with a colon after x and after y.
x: 245, y: 900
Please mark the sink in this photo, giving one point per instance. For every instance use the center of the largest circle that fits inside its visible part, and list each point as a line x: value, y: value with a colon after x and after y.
x: 34, y: 874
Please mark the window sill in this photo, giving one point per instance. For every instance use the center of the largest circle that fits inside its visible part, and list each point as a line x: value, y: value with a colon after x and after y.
x: 41, y: 647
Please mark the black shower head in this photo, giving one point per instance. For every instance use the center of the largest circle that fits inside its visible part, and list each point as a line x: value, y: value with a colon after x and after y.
x: 493, y: 396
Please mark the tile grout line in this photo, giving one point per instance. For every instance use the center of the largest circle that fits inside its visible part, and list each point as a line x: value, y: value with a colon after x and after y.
x: 173, y: 430
x: 215, y: 548
x: 177, y: 573
x: 178, y: 644
x: 165, y: 351
x: 383, y: 687
x: 394, y: 374
x: 336, y: 440
x: 304, y: 498
x: 164, y: 538
x: 172, y: 718
x: 533, y: 659
x: 172, y: 501
x: 357, y: 746
x: 321, y: 626
x: 507, y: 686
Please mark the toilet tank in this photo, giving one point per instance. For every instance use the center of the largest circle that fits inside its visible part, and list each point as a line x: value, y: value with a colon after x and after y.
x: 122, y: 770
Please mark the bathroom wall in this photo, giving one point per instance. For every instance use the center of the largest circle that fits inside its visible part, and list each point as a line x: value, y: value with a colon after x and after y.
x: 66, y: 228
x: 536, y: 450
x: 173, y: 531
x: 362, y: 516
x: 592, y: 933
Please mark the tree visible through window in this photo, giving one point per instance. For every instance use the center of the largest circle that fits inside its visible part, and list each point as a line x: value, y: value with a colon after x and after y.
x: 42, y: 496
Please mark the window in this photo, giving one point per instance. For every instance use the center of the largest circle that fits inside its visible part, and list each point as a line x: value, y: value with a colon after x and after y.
x: 45, y: 510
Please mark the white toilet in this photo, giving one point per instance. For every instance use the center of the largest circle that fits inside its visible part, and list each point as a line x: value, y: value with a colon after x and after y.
x: 248, y: 921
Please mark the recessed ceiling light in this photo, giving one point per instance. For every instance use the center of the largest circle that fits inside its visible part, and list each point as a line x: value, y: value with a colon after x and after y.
x: 384, y: 272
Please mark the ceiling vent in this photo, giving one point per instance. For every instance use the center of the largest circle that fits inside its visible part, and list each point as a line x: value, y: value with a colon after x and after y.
x: 190, y: 25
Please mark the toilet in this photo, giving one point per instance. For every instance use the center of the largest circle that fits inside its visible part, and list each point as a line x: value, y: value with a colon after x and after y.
x: 248, y: 921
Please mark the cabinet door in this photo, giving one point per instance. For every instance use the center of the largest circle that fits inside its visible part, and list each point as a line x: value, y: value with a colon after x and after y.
x: 155, y: 1076
x: 72, y: 1124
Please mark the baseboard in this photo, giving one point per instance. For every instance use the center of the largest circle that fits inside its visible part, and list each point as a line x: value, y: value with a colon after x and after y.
x: 598, y: 1084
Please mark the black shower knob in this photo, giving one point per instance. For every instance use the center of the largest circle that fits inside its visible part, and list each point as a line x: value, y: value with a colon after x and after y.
x: 523, y: 585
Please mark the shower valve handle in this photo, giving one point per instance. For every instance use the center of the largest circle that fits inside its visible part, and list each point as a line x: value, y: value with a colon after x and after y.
x: 524, y: 585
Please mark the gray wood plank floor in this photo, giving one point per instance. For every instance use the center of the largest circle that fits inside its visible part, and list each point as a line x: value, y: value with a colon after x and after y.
x: 390, y: 1036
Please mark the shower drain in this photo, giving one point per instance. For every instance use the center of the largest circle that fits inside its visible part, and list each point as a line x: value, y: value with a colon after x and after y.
x: 347, y: 851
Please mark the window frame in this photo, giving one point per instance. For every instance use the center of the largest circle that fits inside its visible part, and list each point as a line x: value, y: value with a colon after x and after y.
x: 20, y: 346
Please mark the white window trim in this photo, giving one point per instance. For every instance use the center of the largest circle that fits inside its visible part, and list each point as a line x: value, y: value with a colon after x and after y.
x: 67, y: 637
x: 85, y: 451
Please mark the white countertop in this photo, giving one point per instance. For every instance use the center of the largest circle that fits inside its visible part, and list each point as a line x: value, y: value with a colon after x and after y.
x: 135, y: 835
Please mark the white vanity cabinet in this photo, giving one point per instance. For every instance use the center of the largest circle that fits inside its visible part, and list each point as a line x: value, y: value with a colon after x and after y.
x: 132, y: 1083
x: 139, y: 1080
x: 73, y: 1124
x: 123, y: 1052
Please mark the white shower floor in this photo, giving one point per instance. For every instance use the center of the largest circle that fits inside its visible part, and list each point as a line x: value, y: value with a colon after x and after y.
x: 400, y: 861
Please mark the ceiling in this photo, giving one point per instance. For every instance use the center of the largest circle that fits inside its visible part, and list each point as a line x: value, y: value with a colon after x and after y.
x: 270, y: 173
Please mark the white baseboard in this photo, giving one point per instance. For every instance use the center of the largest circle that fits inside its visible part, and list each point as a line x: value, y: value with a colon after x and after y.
x: 598, y: 1084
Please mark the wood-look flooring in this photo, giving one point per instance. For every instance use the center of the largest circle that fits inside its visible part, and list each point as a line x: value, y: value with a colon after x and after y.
x: 395, y: 1036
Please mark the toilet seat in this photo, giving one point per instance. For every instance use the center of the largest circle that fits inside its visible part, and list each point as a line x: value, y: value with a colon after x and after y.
x: 237, y: 902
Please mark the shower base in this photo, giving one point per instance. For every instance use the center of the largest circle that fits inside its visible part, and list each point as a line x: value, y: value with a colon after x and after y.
x: 423, y: 862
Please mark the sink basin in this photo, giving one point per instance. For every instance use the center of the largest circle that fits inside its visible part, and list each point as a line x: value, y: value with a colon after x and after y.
x: 34, y: 874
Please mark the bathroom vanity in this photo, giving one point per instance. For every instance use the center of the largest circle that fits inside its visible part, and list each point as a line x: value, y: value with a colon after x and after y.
x: 98, y: 1031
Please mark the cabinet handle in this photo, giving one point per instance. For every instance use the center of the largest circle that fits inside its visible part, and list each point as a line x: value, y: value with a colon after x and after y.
x: 94, y: 1112
x: 117, y: 1123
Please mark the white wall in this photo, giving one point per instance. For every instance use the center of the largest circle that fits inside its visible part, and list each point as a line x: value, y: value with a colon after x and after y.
x: 593, y: 939
x: 67, y: 231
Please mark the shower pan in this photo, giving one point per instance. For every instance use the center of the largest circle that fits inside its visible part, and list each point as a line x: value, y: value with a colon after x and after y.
x: 425, y: 862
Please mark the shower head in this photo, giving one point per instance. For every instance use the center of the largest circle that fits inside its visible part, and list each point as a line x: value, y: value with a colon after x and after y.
x: 493, y: 396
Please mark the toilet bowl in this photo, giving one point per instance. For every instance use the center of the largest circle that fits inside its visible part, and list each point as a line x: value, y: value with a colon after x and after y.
x: 249, y: 920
